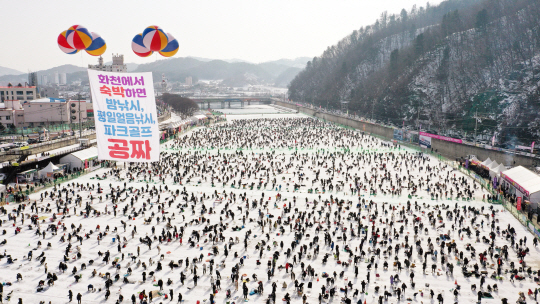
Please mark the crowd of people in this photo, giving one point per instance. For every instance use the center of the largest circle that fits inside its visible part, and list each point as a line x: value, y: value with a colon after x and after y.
x: 272, y: 211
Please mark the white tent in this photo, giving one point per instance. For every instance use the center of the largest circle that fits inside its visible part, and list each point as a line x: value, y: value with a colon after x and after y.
x: 496, y: 171
x: 493, y: 165
x: 49, y: 169
x: 524, y: 182
x: 78, y: 159
x: 486, y: 162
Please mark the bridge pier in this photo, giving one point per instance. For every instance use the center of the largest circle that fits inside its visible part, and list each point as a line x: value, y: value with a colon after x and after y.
x: 205, y: 102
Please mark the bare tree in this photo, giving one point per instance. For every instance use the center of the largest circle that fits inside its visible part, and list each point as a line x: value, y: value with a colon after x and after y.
x: 184, y: 106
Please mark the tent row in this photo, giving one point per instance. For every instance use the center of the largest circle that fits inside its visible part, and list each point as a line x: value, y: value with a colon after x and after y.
x: 518, y: 184
x: 492, y: 166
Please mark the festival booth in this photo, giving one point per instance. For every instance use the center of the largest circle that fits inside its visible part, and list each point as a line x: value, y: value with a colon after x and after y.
x: 480, y: 168
x: 486, y: 163
x: 174, y: 125
x: 496, y: 172
x: 184, y: 125
x: 475, y: 161
x: 199, y: 119
x: 209, y: 116
x: 63, y: 167
x: 493, y: 165
x: 26, y: 176
x: 492, y: 178
x: 50, y: 171
x: 83, y: 159
x: 524, y: 184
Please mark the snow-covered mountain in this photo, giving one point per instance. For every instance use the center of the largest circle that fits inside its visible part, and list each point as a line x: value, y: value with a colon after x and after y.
x: 452, y: 68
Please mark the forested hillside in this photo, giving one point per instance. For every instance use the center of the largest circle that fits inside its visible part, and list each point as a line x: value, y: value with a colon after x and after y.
x: 440, y: 67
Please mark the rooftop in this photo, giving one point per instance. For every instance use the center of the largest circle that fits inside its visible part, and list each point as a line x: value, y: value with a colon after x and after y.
x: 46, y: 99
x: 18, y: 87
x: 527, y: 179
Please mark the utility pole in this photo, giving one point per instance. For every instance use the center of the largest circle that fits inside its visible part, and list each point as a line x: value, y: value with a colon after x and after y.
x: 61, y: 117
x: 475, y: 125
x: 80, y: 126
x: 418, y: 119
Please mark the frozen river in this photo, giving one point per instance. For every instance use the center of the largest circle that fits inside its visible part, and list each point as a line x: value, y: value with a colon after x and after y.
x: 320, y: 211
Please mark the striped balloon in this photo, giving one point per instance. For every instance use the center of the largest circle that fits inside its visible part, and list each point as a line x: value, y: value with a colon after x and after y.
x: 64, y: 46
x: 78, y: 37
x: 154, y: 38
x: 172, y: 47
x: 138, y: 47
x: 98, y: 46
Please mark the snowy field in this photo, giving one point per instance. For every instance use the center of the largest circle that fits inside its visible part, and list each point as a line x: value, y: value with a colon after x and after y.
x: 377, y: 189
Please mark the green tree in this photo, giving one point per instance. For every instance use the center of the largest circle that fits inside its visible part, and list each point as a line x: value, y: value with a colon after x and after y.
x: 481, y: 19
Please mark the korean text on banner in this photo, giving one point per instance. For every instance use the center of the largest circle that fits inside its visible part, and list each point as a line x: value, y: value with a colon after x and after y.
x: 125, y: 116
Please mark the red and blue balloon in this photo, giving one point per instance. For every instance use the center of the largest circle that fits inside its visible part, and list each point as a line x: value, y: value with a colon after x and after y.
x: 78, y: 38
x: 154, y: 39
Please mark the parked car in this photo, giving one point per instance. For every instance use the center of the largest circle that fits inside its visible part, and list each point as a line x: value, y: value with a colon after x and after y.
x: 20, y: 144
x: 7, y: 146
x: 32, y: 141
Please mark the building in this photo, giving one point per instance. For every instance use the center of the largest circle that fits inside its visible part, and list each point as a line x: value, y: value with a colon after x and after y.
x: 56, y: 78
x: 63, y: 78
x: 53, y: 111
x: 189, y: 80
x: 32, y: 79
x: 45, y: 112
x: 11, y: 112
x: 76, y: 106
x: 163, y: 84
x: 44, y: 80
x: 19, y: 92
x: 116, y: 66
x: 51, y: 92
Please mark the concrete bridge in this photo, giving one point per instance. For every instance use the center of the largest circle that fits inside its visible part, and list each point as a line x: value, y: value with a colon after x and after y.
x: 18, y: 155
x: 204, y: 102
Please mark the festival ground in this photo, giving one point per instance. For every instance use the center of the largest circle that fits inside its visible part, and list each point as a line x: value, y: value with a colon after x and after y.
x: 379, y: 218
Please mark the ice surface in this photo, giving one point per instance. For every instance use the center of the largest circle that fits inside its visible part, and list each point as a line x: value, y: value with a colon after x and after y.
x: 441, y: 282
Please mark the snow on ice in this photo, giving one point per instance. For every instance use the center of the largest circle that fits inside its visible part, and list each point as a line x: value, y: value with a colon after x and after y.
x: 275, y: 207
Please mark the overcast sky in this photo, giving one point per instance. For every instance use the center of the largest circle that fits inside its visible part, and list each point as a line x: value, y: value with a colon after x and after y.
x: 252, y: 30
